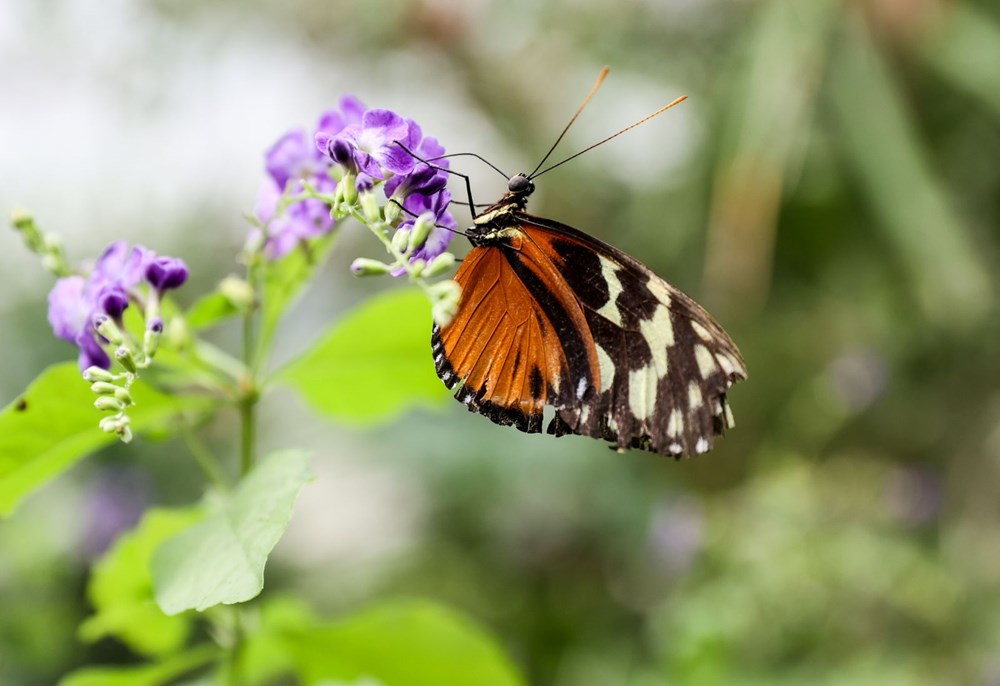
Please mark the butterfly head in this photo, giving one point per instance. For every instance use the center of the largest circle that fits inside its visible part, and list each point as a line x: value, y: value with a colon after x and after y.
x: 520, y: 186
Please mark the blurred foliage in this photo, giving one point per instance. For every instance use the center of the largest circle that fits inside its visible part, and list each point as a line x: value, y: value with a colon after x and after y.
x: 838, y: 210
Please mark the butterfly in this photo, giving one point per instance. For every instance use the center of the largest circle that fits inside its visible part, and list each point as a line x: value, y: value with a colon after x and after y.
x: 550, y: 316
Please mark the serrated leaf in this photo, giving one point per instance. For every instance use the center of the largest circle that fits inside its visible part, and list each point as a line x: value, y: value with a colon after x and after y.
x: 53, y: 424
x: 221, y: 559
x: 121, y: 588
x: 142, y: 675
x: 373, y: 363
x: 404, y: 643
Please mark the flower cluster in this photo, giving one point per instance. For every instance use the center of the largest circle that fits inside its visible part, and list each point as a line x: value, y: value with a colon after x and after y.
x: 376, y: 166
x: 87, y: 311
x: 352, y: 151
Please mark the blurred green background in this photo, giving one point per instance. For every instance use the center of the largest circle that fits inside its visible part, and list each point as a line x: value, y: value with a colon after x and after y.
x: 830, y: 190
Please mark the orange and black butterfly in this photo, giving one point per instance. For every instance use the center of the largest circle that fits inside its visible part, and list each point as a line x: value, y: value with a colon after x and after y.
x: 551, y: 316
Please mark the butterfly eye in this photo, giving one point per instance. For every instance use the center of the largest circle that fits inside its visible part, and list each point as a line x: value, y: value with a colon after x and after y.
x: 520, y: 184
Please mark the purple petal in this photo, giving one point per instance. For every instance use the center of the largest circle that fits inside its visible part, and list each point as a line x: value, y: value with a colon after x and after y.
x: 331, y: 123
x: 166, y: 273
x: 352, y: 108
x: 91, y: 353
x: 382, y: 119
x: 287, y: 158
x: 267, y: 200
x: 112, y: 300
x: 69, y: 309
x: 395, y: 159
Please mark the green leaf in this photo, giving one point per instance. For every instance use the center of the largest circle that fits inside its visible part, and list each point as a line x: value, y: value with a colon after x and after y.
x: 143, y: 675
x: 404, y: 643
x: 210, y: 309
x: 221, y: 559
x: 53, y: 424
x: 121, y: 588
x: 373, y: 363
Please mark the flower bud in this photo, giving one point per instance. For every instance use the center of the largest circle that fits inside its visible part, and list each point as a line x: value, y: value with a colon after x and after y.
x: 166, y: 273
x: 237, y: 291
x: 400, y: 240
x: 103, y: 388
x: 417, y: 267
x: 123, y: 396
x: 126, y: 360
x: 440, y: 264
x: 178, y: 333
x: 106, y: 403
x: 392, y: 212
x: 443, y: 312
x: 151, y: 340
x: 369, y: 207
x: 348, y: 189
x: 367, y: 267
x: 107, y: 328
x: 421, y: 230
x: 98, y: 374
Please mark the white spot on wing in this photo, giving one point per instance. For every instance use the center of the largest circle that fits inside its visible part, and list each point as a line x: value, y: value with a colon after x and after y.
x: 702, y: 332
x: 675, y: 425
x: 706, y: 361
x: 581, y: 387
x: 607, y: 367
x: 659, y: 333
x: 701, y: 446
x: 641, y: 393
x: 694, y: 395
x: 660, y: 290
x: 609, y: 310
x: 730, y: 422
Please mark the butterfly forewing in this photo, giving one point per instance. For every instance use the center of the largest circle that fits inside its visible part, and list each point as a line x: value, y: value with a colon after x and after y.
x: 552, y: 316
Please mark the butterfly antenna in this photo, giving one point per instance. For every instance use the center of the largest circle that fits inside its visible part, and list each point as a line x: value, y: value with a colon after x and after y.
x: 597, y: 84
x: 614, y: 135
x: 482, y: 159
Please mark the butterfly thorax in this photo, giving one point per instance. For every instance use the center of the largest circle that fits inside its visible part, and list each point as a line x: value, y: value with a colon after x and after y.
x: 497, y: 223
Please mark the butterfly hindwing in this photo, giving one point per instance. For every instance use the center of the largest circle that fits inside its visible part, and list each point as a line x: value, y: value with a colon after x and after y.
x: 552, y: 316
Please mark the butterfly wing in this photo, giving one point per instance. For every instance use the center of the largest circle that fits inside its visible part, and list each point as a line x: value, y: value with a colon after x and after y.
x: 626, y: 357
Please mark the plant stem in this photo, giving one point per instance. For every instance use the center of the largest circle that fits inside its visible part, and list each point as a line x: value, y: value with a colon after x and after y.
x: 248, y: 391
x: 206, y: 460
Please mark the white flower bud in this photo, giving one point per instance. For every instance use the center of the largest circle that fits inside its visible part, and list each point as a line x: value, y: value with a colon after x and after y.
x: 368, y: 267
x: 400, y: 240
x: 237, y: 291
x: 392, y: 211
x: 369, y: 207
x: 106, y: 403
x: 421, y: 230
x: 440, y: 264
x: 98, y: 374
x: 124, y: 357
x: 103, y: 388
x: 106, y: 326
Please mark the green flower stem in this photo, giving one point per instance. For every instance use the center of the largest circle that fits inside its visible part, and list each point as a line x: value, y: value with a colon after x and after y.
x: 412, y: 271
x: 205, y: 459
x: 219, y: 361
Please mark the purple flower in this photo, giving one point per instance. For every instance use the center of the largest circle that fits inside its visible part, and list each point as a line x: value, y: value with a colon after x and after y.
x: 71, y: 307
x: 298, y: 222
x: 374, y: 143
x: 75, y: 302
x: 293, y: 157
x: 112, y: 301
x: 166, y: 273
x: 121, y: 266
